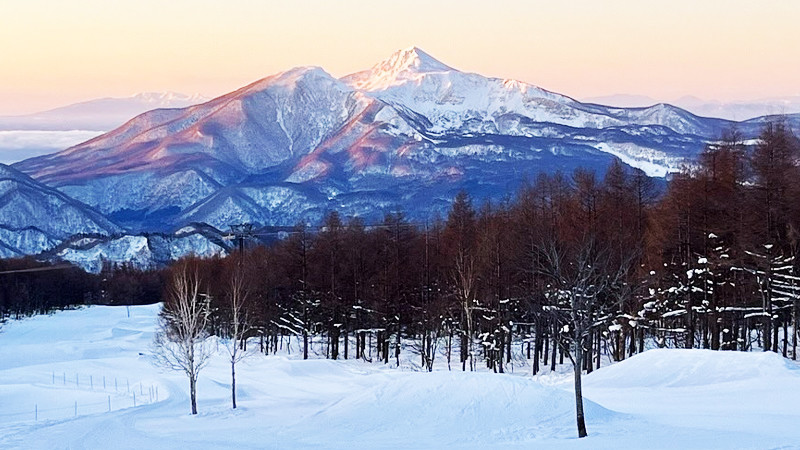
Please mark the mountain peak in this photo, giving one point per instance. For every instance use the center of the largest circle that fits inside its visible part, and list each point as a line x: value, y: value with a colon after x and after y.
x: 411, y: 59
x: 399, y: 66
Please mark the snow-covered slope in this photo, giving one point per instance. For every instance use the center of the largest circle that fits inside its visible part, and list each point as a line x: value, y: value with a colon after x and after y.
x: 143, y: 251
x: 34, y: 217
x: 406, y: 134
x: 722, y: 391
x: 84, y: 379
x: 455, y: 101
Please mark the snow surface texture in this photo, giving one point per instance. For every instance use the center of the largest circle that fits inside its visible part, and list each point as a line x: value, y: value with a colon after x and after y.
x: 60, y: 375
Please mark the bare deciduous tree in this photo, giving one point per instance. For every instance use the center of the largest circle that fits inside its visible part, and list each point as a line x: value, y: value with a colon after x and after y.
x: 237, y: 325
x: 464, y: 276
x: 180, y: 343
x: 580, y: 278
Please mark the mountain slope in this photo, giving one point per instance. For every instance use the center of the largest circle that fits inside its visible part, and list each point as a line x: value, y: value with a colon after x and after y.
x: 35, y: 217
x: 455, y: 101
x: 406, y: 134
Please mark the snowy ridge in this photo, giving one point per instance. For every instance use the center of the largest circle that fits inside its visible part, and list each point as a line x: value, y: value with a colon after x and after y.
x: 141, y: 251
x: 34, y: 217
x: 406, y: 134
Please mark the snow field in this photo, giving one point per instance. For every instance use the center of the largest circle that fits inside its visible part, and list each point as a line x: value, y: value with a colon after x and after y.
x: 659, y: 399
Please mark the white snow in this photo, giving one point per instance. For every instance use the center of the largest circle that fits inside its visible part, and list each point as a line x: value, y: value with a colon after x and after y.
x: 659, y: 399
x: 654, y: 163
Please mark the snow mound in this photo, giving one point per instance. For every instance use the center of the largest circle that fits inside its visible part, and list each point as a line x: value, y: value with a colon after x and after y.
x: 505, y: 407
x: 685, y: 368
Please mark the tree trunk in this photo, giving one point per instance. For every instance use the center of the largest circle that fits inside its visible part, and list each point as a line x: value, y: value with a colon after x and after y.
x: 509, y: 341
x: 794, y: 330
x: 599, y: 349
x: 305, y: 343
x: 233, y: 384
x: 641, y: 340
x: 449, y: 347
x: 463, y: 351
x: 546, y: 352
x: 193, y: 391
x: 785, y: 338
x: 537, y: 349
x: 346, y: 342
x: 774, y: 336
x: 500, y: 353
x: 589, y: 351
x: 579, y: 416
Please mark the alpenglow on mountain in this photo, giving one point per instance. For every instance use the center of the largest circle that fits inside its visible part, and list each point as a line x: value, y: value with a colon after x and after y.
x: 405, y: 135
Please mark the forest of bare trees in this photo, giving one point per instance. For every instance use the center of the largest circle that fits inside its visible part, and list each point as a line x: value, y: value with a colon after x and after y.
x: 573, y: 266
x: 583, y: 264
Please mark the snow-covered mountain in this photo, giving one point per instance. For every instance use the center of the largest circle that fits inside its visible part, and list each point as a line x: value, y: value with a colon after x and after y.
x: 741, y: 110
x: 102, y: 114
x: 458, y: 102
x: 406, y: 134
x: 733, y: 110
x: 35, y: 218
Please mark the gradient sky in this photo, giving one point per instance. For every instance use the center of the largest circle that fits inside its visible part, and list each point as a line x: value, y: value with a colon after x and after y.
x: 61, y: 51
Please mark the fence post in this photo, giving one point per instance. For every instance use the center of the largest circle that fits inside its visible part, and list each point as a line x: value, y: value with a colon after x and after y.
x: 134, y: 399
x: 91, y: 383
x: 104, y: 382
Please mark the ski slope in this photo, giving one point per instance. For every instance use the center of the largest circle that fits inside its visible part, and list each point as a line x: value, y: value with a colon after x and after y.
x: 68, y: 380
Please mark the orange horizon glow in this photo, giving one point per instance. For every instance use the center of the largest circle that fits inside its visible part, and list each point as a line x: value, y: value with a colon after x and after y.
x: 59, y: 52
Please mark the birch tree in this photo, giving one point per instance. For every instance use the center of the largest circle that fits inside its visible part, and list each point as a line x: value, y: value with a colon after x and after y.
x: 180, y: 343
x: 237, y: 324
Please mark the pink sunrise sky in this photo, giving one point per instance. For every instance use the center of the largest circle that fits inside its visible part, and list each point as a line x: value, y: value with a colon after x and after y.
x: 59, y: 52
